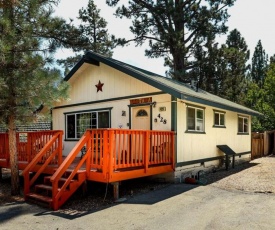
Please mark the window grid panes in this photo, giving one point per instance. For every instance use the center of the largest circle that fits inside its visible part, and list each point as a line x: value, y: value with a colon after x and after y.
x: 78, y: 123
x: 83, y: 123
x: 195, y: 119
x: 242, y: 124
x: 142, y: 113
x: 219, y: 119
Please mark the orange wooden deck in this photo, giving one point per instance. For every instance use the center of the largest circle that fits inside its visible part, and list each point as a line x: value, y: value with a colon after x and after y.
x: 29, y: 144
x: 110, y: 155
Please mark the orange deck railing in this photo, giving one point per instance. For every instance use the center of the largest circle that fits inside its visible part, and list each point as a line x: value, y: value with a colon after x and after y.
x: 115, y: 154
x: 107, y: 155
x: 58, y: 192
x: 50, y: 153
x: 118, y: 154
x: 29, y: 144
x: 4, y: 150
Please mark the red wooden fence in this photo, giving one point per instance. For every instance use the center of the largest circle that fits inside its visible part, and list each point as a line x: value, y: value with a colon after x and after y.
x: 29, y: 144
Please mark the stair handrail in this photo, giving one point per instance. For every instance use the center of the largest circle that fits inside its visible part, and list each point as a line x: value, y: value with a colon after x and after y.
x: 30, y: 167
x: 56, y: 193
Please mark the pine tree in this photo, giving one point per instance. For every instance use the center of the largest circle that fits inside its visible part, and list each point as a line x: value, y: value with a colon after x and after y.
x: 272, y: 59
x: 259, y: 64
x: 263, y: 100
x: 174, y: 28
x: 236, y: 55
x: 29, y: 35
x: 222, y: 70
x: 94, y: 36
x: 206, y: 69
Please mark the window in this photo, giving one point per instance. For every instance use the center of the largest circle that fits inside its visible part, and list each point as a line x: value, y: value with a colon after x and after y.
x: 142, y: 113
x: 195, y: 119
x: 78, y: 123
x: 242, y: 124
x: 219, y: 119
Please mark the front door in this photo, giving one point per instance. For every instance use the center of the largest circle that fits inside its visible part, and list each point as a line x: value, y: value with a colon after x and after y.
x: 141, y: 118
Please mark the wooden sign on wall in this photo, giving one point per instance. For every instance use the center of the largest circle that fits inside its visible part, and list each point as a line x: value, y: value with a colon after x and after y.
x: 141, y: 100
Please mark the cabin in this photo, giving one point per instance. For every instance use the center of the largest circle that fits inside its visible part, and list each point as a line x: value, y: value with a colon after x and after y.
x: 124, y: 122
x: 107, y: 93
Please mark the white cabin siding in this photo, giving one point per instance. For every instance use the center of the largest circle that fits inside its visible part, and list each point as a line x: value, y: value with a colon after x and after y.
x: 119, y: 88
x: 195, y: 146
x: 116, y: 85
x: 117, y: 120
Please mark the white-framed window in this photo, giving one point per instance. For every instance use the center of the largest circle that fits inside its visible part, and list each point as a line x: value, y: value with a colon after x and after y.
x: 219, y: 119
x: 78, y: 123
x: 242, y: 124
x: 195, y: 119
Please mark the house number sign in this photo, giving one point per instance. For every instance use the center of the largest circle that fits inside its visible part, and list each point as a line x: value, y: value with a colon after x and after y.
x: 161, y: 119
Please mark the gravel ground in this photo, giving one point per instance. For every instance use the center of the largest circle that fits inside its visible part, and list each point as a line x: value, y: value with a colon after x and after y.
x: 257, y: 176
x: 98, y: 195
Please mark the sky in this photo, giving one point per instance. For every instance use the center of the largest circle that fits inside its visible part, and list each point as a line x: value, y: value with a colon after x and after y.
x: 255, y: 19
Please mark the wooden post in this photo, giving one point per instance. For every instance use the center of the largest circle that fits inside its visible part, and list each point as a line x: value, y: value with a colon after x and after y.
x: 60, y: 148
x: 226, y: 161
x: 146, y: 150
x: 233, y: 161
x: 116, y: 190
x: 1, y: 174
x: 89, y: 152
x: 84, y: 188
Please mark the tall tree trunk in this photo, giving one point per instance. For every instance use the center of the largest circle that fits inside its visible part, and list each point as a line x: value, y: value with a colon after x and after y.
x: 15, y: 188
x: 179, y: 67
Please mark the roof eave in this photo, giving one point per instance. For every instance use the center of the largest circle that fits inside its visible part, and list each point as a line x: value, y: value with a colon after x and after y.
x: 219, y: 105
x: 83, y: 60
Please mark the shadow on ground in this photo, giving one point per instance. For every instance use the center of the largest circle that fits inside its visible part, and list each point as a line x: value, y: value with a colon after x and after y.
x: 218, y: 174
x: 136, y: 191
x: 150, y: 197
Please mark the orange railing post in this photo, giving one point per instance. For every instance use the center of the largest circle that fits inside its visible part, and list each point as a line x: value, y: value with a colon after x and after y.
x: 60, y: 147
x: 103, y: 159
x: 57, y: 193
x: 28, y: 148
x: 146, y: 150
x: 173, y: 150
x: 89, y: 151
x: 111, y: 156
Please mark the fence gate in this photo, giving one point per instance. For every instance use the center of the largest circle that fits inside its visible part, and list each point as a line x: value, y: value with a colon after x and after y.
x: 257, y: 145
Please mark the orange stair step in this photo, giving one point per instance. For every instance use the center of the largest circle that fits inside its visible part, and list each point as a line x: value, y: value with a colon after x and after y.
x: 62, y: 179
x: 38, y: 197
x: 78, y: 171
x: 43, y: 186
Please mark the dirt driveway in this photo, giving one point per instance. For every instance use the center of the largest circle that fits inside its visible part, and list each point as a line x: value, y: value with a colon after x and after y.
x: 258, y: 176
x: 241, y: 198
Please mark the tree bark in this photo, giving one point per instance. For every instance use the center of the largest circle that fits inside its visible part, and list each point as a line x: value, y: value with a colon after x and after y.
x: 15, y: 187
x: 179, y: 66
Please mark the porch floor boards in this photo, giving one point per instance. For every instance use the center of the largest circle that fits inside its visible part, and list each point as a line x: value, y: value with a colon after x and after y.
x: 95, y: 174
x: 23, y: 164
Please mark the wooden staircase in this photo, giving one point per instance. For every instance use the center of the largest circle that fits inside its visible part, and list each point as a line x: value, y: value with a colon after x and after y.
x: 43, y: 194
x: 102, y: 162
x: 65, y: 180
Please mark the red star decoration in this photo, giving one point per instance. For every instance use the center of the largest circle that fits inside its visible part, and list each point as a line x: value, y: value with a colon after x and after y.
x: 99, y: 86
